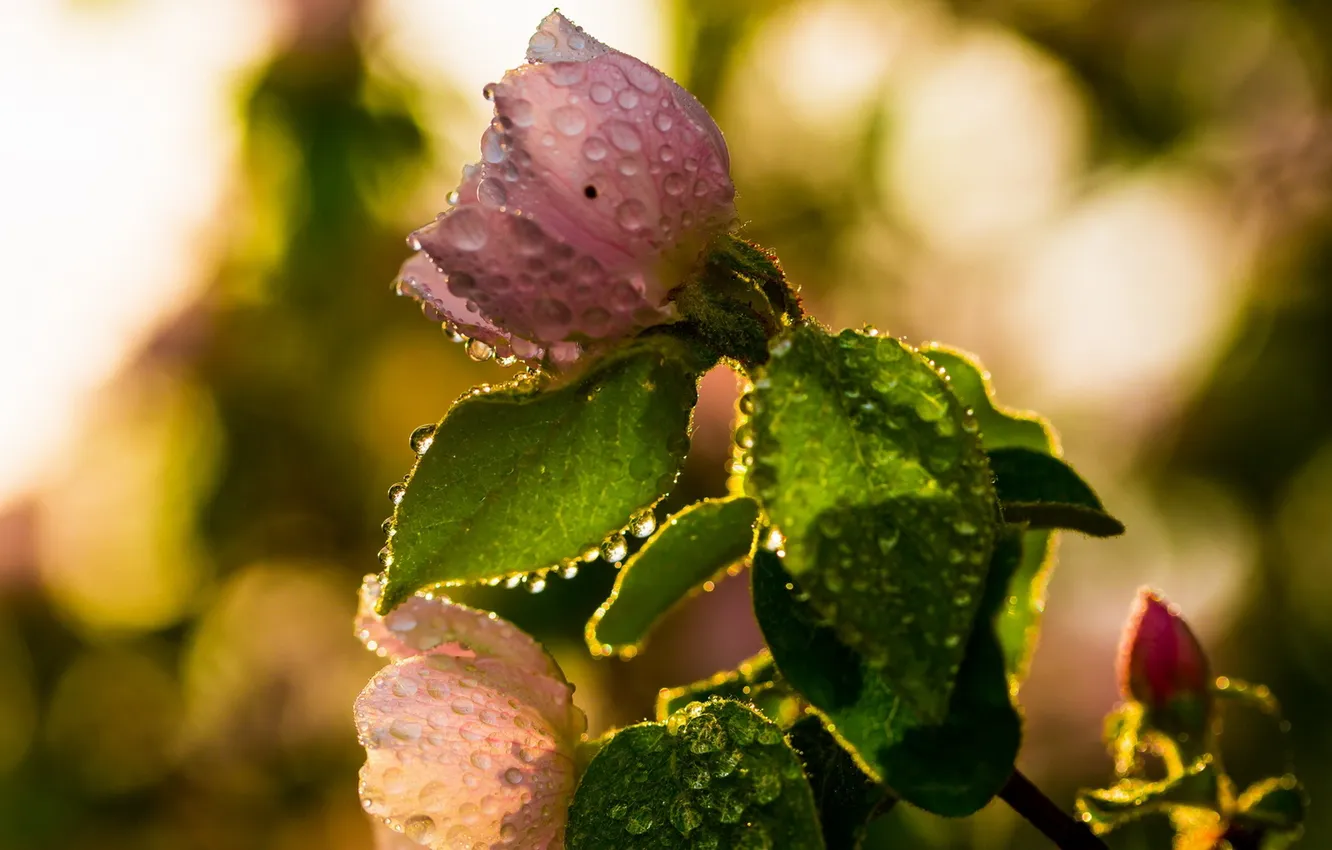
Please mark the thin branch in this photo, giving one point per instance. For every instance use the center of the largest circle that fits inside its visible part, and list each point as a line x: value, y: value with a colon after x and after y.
x: 1040, y: 811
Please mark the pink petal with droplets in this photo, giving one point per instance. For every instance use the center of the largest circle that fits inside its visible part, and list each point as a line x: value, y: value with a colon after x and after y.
x: 600, y: 180
x: 431, y: 624
x: 459, y: 754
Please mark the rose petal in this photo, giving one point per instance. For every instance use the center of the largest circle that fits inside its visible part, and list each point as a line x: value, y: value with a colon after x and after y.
x: 459, y: 754
x: 600, y: 179
x: 429, y: 622
x: 535, y: 287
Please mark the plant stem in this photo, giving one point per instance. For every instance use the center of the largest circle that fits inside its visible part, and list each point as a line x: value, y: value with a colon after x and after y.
x: 1041, y: 812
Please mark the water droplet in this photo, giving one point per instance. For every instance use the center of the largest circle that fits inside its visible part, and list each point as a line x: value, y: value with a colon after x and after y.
x: 615, y: 548
x: 952, y: 641
x: 513, y: 776
x: 569, y: 571
x: 385, y: 557
x: 594, y: 149
x: 674, y: 184
x: 643, y: 524
x: 623, y: 136
x: 639, y: 822
x: 707, y: 735
x: 465, y: 227
x: 479, y: 351
x: 567, y: 74
x: 492, y: 146
x: 513, y: 581
x: 600, y: 93
x: 642, y: 77
x: 541, y: 42
x: 422, y: 437
x: 419, y: 828
x: 396, y: 492
x: 684, y: 817
x: 569, y: 120
x: 387, y: 527
x: 536, y: 585
x: 490, y: 192
x: 663, y: 121
x: 405, y: 730
x: 632, y: 215
x: 627, y: 98
x: 481, y: 761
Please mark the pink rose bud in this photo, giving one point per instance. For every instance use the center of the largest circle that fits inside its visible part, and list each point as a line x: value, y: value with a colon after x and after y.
x: 470, y: 733
x: 1161, y: 662
x: 599, y: 180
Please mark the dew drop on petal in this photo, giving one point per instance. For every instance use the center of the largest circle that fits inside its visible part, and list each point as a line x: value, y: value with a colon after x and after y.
x: 420, y: 829
x: 663, y: 121
x: 674, y: 184
x: 624, y: 136
x: 520, y: 111
x: 541, y: 42
x: 595, y: 150
x: 491, y: 193
x: 479, y: 351
x: 396, y: 492
x: 492, y: 151
x: 466, y: 229
x: 569, y: 120
x: 567, y: 73
x: 632, y: 215
x: 513, y: 776
x: 642, y: 77
x: 600, y: 93
x: 627, y: 98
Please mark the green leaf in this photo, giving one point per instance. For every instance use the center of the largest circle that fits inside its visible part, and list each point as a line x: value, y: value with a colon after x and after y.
x: 873, y: 473
x: 755, y: 681
x: 952, y: 767
x: 1020, y: 622
x: 847, y: 799
x: 523, y: 478
x: 687, y: 549
x: 1044, y: 492
x: 714, y: 775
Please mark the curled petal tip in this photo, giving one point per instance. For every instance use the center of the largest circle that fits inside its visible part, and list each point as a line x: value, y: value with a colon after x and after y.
x: 558, y: 39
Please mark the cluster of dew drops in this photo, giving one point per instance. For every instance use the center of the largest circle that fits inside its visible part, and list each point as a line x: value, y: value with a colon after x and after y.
x: 613, y: 550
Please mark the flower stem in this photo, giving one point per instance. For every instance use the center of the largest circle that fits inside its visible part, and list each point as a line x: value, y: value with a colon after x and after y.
x: 1041, y: 812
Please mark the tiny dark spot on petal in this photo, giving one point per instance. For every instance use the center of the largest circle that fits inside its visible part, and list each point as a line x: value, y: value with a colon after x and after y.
x: 590, y: 192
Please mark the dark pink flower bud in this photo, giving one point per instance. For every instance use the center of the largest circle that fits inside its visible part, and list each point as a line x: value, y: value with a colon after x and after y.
x: 600, y: 178
x: 1160, y: 660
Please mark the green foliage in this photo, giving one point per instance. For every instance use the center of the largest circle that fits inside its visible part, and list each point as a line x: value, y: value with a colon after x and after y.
x: 846, y: 798
x: 713, y: 775
x: 688, y: 548
x: 874, y: 474
x: 755, y: 681
x: 1020, y: 620
x: 524, y: 477
x: 951, y: 767
x: 1044, y: 492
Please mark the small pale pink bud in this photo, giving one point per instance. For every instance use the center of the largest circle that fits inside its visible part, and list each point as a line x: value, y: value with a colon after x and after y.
x: 470, y: 733
x: 1161, y: 660
x: 598, y: 176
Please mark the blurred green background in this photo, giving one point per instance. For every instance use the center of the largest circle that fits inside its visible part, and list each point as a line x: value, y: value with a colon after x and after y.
x: 1122, y: 206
